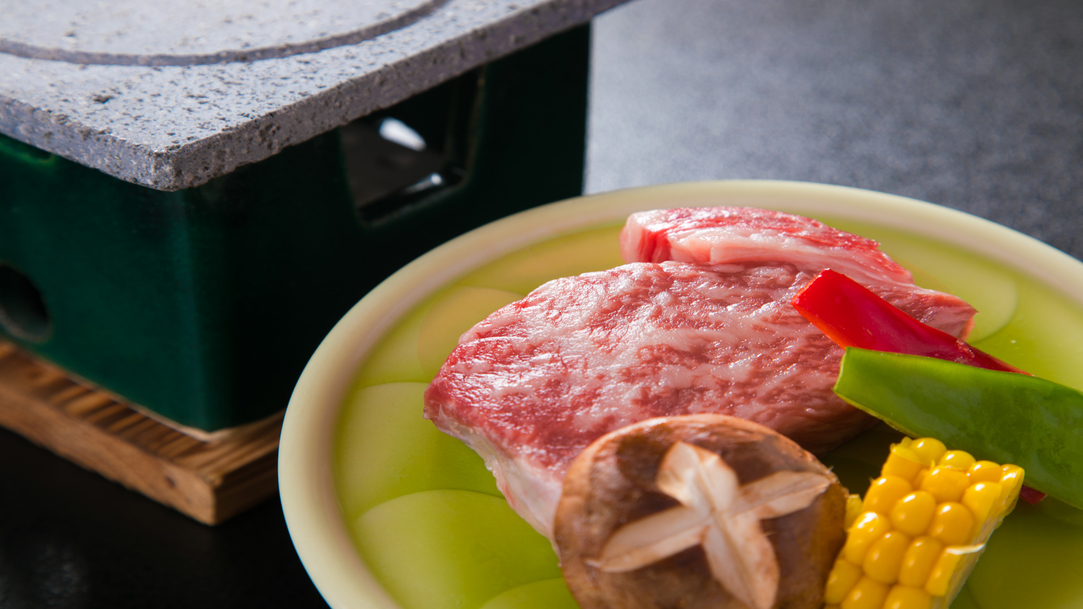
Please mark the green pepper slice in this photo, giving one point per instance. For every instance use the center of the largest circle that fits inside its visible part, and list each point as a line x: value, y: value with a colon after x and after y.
x: 1000, y: 416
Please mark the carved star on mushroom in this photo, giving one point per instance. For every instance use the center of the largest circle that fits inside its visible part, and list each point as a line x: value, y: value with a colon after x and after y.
x: 721, y: 515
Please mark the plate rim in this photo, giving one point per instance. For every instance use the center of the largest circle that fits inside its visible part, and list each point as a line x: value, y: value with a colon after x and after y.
x: 314, y: 520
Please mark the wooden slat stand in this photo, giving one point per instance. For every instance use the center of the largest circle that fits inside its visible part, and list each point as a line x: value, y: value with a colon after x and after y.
x: 207, y: 480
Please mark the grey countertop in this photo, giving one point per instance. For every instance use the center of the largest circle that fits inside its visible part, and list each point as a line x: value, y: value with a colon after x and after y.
x: 976, y: 105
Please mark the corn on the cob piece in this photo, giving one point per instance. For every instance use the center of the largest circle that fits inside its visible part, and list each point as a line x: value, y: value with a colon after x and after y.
x: 923, y: 524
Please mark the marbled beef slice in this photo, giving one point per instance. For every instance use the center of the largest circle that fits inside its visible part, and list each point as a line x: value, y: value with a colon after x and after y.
x: 536, y: 382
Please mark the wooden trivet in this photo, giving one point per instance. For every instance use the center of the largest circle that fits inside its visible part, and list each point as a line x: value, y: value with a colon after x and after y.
x: 209, y: 480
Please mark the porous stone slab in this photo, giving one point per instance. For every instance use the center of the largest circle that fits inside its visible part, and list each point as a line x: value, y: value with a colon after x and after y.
x: 155, y: 32
x: 173, y: 98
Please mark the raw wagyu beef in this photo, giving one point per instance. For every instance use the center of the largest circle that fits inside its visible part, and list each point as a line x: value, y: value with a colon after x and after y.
x: 536, y: 382
x: 727, y: 235
x: 722, y: 235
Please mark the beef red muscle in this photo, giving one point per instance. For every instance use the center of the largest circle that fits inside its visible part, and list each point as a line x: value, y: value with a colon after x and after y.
x: 536, y: 382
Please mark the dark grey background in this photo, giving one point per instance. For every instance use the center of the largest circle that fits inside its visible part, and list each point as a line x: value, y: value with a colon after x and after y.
x: 974, y: 104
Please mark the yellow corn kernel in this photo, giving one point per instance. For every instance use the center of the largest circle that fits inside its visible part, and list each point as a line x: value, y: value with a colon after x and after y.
x: 918, y: 561
x: 869, y: 527
x: 904, y: 463
x: 949, y: 561
x: 905, y: 597
x: 1011, y: 481
x: 952, y: 524
x: 853, y: 509
x: 982, y: 499
x: 940, y: 577
x: 920, y: 478
x: 867, y: 594
x: 928, y: 450
x: 885, y: 556
x: 843, y: 577
x: 945, y: 484
x: 956, y: 459
x: 985, y: 471
x: 913, y: 513
x: 884, y: 493
x: 909, y: 542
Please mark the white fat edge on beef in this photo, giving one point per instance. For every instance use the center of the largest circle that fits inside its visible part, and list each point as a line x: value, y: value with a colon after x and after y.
x: 532, y: 493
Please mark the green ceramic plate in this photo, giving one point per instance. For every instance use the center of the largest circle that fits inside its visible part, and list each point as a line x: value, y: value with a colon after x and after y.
x: 386, y: 512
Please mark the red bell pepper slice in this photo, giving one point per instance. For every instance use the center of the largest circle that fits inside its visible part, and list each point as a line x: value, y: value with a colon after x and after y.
x: 853, y: 316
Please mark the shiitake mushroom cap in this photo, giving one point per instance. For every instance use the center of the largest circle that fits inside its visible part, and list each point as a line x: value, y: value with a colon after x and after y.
x: 612, y: 483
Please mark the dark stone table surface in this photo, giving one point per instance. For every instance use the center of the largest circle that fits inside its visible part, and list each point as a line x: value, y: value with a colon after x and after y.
x: 974, y: 104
